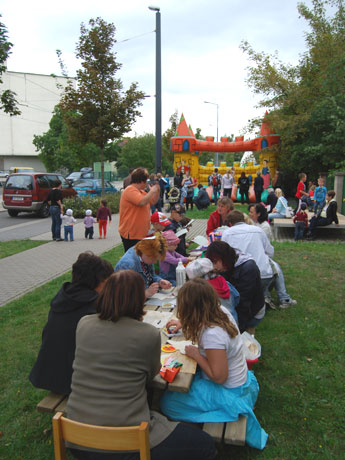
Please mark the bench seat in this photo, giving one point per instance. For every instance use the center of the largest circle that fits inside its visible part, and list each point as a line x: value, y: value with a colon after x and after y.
x: 229, y: 432
x: 53, y: 402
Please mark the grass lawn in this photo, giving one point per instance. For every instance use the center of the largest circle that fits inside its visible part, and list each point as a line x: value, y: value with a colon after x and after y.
x: 8, y: 248
x: 301, y: 371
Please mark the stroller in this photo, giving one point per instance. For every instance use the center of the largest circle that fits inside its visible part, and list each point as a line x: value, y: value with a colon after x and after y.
x: 174, y: 196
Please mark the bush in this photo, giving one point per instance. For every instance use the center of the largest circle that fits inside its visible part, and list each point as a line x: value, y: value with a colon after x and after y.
x: 79, y: 204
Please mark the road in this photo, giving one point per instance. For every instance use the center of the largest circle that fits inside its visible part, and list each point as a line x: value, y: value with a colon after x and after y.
x: 25, y: 225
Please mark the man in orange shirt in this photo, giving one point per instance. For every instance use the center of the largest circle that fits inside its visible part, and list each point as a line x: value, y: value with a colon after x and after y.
x: 135, y: 208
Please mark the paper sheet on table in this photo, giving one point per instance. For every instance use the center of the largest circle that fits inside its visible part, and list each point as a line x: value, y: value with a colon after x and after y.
x: 158, y: 319
x: 180, y: 344
x: 161, y: 296
x: 181, y: 232
x: 200, y: 240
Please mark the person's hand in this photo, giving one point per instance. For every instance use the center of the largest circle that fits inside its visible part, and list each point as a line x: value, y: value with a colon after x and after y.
x: 190, y: 258
x: 274, y: 210
x: 173, y: 325
x: 164, y: 284
x: 192, y: 351
x: 156, y: 188
x: 151, y: 290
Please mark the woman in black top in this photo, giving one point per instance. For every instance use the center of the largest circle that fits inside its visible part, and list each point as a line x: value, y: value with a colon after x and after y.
x: 243, y: 183
x: 55, y: 202
x: 327, y: 216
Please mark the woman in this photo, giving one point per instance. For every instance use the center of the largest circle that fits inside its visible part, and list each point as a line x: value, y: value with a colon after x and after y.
x: 142, y: 257
x: 243, y: 183
x: 258, y: 214
x: 187, y: 190
x: 241, y: 271
x: 327, y: 216
x: 227, y: 183
x: 279, y: 211
x: 117, y: 356
x: 217, y: 217
x: 224, y: 388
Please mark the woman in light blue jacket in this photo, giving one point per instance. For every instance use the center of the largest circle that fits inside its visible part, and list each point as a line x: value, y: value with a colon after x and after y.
x: 280, y: 210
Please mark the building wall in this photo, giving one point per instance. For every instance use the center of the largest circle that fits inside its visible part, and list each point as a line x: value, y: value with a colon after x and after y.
x: 37, y: 95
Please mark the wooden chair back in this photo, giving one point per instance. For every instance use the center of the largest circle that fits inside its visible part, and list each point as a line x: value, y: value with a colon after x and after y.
x: 99, y: 437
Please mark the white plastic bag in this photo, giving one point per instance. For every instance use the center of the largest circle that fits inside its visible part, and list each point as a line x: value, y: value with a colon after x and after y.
x: 252, y: 348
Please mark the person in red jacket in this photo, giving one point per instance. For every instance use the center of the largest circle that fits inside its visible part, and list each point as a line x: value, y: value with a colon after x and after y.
x: 217, y: 218
x: 301, y: 190
x: 301, y: 222
x: 102, y: 218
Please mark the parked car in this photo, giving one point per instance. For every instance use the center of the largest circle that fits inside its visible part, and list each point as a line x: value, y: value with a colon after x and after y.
x: 28, y: 192
x: 84, y: 173
x: 93, y: 187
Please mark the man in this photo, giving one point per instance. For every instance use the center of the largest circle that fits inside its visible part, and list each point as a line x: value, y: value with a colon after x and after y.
x: 253, y: 241
x: 217, y: 217
x: 215, y: 180
x: 127, y: 180
x: 53, y: 368
x: 135, y: 208
x: 202, y: 201
x: 258, y: 187
x: 56, y: 210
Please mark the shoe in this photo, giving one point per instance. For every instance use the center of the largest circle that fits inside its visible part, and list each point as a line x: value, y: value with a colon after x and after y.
x: 270, y: 304
x: 288, y: 303
x: 59, y: 239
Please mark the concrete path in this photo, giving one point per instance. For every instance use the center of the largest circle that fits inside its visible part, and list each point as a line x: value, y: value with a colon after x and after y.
x: 26, y: 270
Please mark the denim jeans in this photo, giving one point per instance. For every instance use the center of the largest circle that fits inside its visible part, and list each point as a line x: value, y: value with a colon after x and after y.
x: 299, y: 231
x: 215, y: 194
x: 55, y: 214
x: 278, y: 283
x: 318, y: 205
x: 68, y: 231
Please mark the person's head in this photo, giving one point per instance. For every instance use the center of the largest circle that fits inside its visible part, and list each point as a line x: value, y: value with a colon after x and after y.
x: 88, y: 212
x: 159, y: 176
x: 224, y: 206
x: 187, y: 173
x: 216, y: 170
x: 302, y: 177
x: 313, y: 187
x: 228, y: 171
x: 279, y: 192
x: 153, y: 177
x: 171, y: 239
x: 69, y: 212
x: 222, y: 255
x: 91, y: 271
x: 321, y: 182
x: 303, y: 206
x: 167, y: 175
x: 151, y: 249
x: 234, y: 217
x: 139, y: 176
x: 243, y: 174
x: 258, y: 213
x: 330, y: 195
x: 58, y: 183
x: 258, y: 173
x: 198, y: 268
x: 200, y: 186
x: 270, y: 190
x: 123, y: 295
x: 177, y: 212
x: 159, y: 221
x: 104, y: 203
x: 198, y: 307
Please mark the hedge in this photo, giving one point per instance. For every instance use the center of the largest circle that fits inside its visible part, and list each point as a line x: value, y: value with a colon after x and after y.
x: 79, y: 204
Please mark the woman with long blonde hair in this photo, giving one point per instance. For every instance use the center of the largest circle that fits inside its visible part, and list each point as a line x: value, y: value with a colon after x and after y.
x: 224, y: 388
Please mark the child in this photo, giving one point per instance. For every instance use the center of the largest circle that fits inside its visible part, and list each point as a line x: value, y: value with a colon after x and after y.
x: 102, y: 218
x: 203, y: 268
x: 224, y: 388
x: 159, y: 221
x: 319, y: 196
x: 300, y: 193
x: 310, y: 199
x: 301, y: 222
x: 68, y: 221
x: 167, y: 267
x: 88, y: 222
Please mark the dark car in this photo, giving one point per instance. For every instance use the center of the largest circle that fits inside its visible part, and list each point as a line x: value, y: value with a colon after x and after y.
x: 28, y: 192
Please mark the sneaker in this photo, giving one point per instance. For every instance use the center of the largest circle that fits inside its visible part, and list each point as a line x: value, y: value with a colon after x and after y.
x: 287, y: 303
x: 269, y: 302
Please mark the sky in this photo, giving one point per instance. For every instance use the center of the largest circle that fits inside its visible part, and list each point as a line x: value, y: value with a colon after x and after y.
x: 201, y: 58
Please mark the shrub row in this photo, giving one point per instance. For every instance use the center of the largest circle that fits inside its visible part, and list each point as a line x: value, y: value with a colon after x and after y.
x: 79, y: 204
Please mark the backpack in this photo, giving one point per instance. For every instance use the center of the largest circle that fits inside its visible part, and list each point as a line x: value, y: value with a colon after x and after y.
x: 215, y: 180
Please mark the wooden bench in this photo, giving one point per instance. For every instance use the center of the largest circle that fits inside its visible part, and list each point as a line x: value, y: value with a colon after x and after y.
x: 53, y: 402
x: 288, y: 223
x: 229, y: 432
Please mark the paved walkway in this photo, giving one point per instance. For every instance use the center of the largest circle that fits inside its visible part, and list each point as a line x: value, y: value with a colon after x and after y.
x: 27, y: 270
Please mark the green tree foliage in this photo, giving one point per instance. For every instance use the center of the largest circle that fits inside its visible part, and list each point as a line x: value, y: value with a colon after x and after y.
x: 307, y: 100
x: 8, y: 102
x: 169, y: 133
x: 98, y: 110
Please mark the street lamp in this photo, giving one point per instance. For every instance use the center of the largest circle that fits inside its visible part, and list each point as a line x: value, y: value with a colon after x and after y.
x: 213, y: 103
x: 158, y: 162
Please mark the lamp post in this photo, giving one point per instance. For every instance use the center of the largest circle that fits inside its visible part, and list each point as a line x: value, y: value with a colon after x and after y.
x: 213, y: 103
x: 158, y: 162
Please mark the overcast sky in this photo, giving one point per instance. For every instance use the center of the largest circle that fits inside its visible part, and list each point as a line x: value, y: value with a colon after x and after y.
x: 201, y: 59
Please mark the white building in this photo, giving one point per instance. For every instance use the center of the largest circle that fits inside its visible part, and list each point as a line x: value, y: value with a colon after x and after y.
x: 37, y: 95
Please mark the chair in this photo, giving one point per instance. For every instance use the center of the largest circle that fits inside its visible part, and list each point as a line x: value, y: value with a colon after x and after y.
x: 99, y: 437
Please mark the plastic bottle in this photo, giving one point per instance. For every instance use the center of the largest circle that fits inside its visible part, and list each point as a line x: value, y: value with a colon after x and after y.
x: 180, y: 274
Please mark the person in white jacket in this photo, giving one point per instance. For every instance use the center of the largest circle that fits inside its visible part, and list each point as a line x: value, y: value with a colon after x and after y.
x: 252, y: 240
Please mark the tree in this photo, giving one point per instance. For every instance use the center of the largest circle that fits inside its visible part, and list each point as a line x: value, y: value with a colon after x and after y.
x: 307, y: 100
x: 8, y: 102
x: 169, y: 133
x: 98, y: 110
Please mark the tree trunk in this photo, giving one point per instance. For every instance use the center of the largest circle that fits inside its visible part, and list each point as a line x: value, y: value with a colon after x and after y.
x: 102, y: 169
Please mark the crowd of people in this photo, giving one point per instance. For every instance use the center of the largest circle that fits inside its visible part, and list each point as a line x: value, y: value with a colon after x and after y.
x: 96, y: 348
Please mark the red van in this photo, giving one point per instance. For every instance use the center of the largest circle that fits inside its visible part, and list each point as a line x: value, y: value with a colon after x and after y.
x: 28, y: 192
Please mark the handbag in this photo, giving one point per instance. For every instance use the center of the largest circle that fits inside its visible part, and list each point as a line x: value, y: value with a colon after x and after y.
x: 288, y: 210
